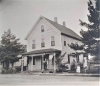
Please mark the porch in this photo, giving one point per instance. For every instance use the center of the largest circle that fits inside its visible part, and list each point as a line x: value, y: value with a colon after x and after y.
x: 41, y: 60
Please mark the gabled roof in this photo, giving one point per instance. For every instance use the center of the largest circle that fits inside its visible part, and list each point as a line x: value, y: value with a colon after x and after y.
x: 64, y: 30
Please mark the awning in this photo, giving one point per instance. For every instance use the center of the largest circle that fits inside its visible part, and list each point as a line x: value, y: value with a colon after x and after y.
x: 41, y: 51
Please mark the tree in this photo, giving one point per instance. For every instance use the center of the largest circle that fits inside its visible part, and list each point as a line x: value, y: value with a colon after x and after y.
x: 10, y: 47
x: 91, y: 37
x: 76, y: 46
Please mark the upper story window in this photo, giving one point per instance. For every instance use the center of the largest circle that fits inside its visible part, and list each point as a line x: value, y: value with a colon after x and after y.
x: 42, y: 28
x: 42, y: 42
x: 33, y: 44
x: 52, y: 41
x: 64, y: 43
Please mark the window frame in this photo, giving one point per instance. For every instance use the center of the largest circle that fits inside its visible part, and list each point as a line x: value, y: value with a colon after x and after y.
x: 78, y: 60
x: 68, y: 59
x: 52, y: 41
x: 42, y: 28
x: 33, y: 44
x: 34, y: 60
x: 64, y: 43
x: 42, y: 42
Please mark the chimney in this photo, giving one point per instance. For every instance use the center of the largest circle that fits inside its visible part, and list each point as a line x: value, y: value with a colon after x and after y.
x: 55, y: 19
x: 64, y: 24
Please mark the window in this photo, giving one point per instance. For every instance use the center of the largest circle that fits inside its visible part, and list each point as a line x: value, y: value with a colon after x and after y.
x: 42, y: 42
x: 68, y: 59
x: 77, y: 59
x: 33, y: 60
x: 52, y: 41
x: 33, y: 44
x: 64, y: 43
x: 42, y: 28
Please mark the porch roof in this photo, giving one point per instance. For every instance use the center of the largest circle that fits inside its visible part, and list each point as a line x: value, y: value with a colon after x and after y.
x: 41, y: 51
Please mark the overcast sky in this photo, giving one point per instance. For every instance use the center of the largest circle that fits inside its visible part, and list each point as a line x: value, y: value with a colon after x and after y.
x: 20, y: 15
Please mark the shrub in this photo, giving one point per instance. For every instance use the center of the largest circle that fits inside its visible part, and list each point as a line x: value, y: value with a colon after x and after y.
x: 73, y: 67
x: 18, y: 68
x: 62, y: 68
x: 10, y: 70
x: 3, y: 70
x: 7, y: 70
x: 50, y: 72
x: 71, y: 71
x: 95, y: 70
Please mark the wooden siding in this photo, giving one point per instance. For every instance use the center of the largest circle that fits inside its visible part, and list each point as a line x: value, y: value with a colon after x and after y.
x: 66, y: 48
x: 37, y: 35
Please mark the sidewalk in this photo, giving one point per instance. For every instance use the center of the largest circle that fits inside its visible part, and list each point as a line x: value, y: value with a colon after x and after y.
x: 78, y: 74
x: 63, y: 74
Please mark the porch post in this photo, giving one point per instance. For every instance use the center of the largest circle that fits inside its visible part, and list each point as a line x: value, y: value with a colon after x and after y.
x: 32, y: 63
x: 54, y: 63
x: 42, y: 63
x: 22, y: 64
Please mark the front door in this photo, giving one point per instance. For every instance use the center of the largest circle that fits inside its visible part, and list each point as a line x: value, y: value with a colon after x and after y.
x: 46, y: 61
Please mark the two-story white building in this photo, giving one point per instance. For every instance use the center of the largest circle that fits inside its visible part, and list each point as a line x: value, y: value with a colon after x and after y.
x: 47, y: 41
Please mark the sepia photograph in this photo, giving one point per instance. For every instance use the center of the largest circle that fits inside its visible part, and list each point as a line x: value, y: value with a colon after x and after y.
x: 50, y: 42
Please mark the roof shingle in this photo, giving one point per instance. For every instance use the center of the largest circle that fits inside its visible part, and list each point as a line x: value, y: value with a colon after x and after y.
x: 63, y: 29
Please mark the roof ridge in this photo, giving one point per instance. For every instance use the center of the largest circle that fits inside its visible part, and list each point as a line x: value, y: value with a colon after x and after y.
x: 63, y: 29
x: 56, y: 23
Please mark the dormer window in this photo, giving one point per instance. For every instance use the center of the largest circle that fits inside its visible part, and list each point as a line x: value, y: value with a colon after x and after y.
x: 42, y: 28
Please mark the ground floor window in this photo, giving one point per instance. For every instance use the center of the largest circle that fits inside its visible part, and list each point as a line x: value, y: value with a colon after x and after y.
x: 68, y: 59
x: 33, y: 60
x: 77, y: 59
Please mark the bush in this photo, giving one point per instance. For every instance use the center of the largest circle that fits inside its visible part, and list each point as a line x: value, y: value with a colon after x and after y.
x: 3, y: 70
x: 73, y: 67
x: 95, y: 70
x: 50, y: 72
x: 10, y: 70
x: 7, y: 70
x: 18, y: 68
x: 71, y: 71
x: 62, y: 68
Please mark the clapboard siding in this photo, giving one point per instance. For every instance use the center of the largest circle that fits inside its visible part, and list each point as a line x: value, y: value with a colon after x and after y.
x: 66, y: 48
x: 37, y: 35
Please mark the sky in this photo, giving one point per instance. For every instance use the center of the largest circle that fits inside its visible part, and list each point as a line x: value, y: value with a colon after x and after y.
x: 21, y: 15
